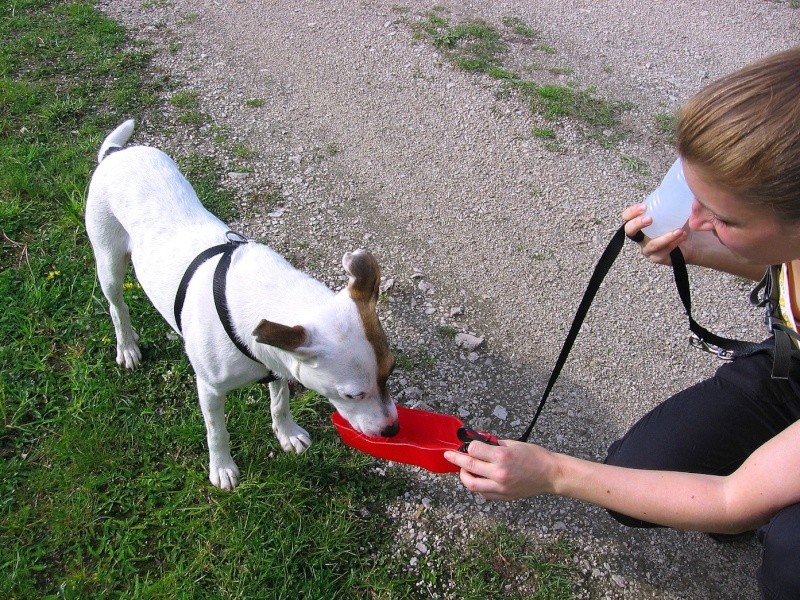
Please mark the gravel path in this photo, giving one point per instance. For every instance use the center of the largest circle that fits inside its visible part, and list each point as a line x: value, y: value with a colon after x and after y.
x: 374, y: 139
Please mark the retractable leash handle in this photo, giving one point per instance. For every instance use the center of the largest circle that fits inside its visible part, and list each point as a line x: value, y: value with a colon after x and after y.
x: 467, y: 435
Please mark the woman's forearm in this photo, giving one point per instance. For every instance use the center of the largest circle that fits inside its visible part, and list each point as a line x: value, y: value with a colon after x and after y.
x: 680, y: 500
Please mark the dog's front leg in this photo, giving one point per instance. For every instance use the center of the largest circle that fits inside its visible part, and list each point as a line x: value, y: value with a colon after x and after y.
x: 291, y: 436
x: 222, y: 471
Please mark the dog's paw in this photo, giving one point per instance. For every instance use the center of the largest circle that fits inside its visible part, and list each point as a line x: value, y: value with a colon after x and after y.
x: 129, y: 355
x: 224, y: 474
x: 292, y: 437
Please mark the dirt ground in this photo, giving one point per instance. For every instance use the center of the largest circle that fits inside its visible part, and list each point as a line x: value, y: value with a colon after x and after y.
x: 373, y: 138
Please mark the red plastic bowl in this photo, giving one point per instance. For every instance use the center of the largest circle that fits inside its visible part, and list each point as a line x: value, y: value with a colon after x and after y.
x: 422, y: 440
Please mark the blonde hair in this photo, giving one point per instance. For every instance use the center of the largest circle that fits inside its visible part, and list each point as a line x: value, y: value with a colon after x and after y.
x: 743, y: 133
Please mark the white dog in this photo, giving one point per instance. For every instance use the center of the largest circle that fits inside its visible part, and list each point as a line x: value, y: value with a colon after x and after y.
x: 269, y: 322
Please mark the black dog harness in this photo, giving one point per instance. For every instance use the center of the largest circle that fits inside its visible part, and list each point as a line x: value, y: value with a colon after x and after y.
x: 226, y: 250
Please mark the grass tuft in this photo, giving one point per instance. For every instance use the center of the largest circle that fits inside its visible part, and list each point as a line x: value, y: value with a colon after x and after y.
x: 478, y: 47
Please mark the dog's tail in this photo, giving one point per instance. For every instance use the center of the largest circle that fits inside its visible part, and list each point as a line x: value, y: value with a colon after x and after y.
x: 116, y: 139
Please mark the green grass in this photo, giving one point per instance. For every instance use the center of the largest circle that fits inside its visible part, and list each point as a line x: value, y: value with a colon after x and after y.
x: 479, y: 47
x: 103, y: 485
x: 635, y: 164
x: 665, y: 126
x: 187, y: 99
x: 518, y: 26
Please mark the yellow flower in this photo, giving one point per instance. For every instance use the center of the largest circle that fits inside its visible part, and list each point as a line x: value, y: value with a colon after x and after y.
x: 53, y: 274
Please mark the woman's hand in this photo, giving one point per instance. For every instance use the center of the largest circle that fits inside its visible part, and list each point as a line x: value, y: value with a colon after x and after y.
x: 509, y: 471
x: 658, y: 249
x: 699, y: 247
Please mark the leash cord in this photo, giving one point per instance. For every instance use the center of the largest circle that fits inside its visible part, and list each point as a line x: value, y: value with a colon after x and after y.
x: 727, y: 348
x: 601, y: 269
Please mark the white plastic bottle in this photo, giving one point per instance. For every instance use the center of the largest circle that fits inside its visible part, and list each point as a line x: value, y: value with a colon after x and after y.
x: 669, y: 204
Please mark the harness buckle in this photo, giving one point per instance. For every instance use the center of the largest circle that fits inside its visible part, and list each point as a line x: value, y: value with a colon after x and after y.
x: 234, y: 237
x: 696, y: 342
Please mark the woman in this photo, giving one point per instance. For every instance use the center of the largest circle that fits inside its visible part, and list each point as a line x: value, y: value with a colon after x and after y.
x: 724, y: 455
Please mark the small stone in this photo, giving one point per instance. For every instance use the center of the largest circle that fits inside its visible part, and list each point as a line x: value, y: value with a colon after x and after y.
x: 467, y: 341
x: 500, y: 412
x: 412, y: 393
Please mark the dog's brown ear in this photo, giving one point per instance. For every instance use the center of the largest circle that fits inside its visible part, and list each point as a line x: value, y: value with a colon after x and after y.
x: 281, y: 336
x: 363, y: 274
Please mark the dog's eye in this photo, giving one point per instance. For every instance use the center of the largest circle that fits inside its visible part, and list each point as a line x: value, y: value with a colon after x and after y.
x: 354, y: 396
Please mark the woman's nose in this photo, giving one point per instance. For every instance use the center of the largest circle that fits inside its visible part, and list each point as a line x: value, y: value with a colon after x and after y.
x: 700, y: 218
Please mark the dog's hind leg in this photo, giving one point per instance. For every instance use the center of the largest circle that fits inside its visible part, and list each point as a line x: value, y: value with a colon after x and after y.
x: 222, y: 470
x: 291, y: 436
x: 112, y: 259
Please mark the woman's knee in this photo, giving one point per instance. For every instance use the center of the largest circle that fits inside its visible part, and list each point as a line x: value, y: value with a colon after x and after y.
x: 778, y: 575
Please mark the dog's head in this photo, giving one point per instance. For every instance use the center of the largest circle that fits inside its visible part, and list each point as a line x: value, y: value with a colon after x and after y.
x: 343, y: 354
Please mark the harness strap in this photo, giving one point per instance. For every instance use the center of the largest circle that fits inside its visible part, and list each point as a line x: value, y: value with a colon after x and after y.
x: 728, y: 349
x: 180, y: 295
x: 729, y: 346
x: 221, y: 300
x: 218, y: 288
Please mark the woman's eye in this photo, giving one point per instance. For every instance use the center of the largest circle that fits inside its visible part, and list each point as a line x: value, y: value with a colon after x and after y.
x: 719, y: 222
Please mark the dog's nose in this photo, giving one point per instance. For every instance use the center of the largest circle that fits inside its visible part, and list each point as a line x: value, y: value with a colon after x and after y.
x: 391, y: 430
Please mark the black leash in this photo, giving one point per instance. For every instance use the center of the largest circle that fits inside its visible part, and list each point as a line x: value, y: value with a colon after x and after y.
x: 765, y: 294
x: 235, y: 240
x: 601, y: 269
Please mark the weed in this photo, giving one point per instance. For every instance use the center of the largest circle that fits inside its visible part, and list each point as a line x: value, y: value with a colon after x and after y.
x: 544, y: 133
x: 473, y: 46
x: 187, y: 100
x: 241, y: 151
x: 518, y: 26
x: 546, y: 48
x: 635, y: 164
x: 412, y: 359
x: 476, y: 46
x: 447, y: 331
x: 666, y: 125
x: 194, y: 117
x: 254, y: 102
x: 561, y: 70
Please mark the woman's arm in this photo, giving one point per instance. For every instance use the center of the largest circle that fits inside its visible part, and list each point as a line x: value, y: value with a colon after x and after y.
x: 700, y: 248
x: 767, y: 481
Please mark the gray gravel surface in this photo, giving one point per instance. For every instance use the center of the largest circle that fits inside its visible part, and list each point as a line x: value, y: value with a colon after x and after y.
x: 371, y: 138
